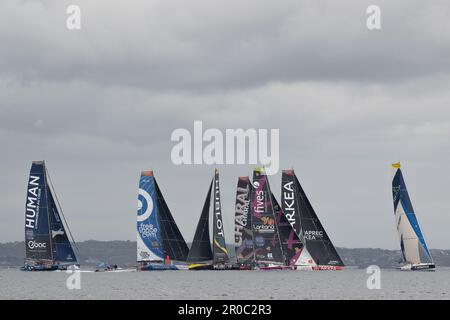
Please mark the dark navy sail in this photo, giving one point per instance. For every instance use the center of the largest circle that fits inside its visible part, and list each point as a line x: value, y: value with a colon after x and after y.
x: 62, y: 247
x: 46, y: 240
x: 266, y: 237
x: 37, y: 228
x: 304, y: 220
x: 220, y: 251
x: 243, y: 235
x: 201, y: 245
x: 173, y: 242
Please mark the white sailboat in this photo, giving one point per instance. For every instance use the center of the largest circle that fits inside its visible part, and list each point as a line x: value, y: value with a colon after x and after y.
x: 416, y: 255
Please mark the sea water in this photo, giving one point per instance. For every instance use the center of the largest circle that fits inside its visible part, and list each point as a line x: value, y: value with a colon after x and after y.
x: 346, y: 284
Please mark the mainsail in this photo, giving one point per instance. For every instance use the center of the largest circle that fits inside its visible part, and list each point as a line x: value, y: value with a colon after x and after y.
x: 46, y: 239
x: 243, y: 235
x: 305, y: 222
x: 266, y: 237
x: 158, y: 236
x: 220, y: 251
x: 412, y: 242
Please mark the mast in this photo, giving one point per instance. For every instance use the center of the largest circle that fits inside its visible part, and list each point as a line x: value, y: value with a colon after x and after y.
x: 220, y: 251
x: 304, y: 220
x: 412, y: 241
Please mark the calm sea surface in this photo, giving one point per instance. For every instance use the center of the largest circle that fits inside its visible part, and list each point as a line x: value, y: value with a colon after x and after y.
x: 347, y: 284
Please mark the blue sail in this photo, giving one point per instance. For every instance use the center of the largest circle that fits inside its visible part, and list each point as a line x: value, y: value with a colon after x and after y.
x: 149, y: 244
x: 46, y: 240
x: 37, y: 229
x: 412, y: 241
x: 62, y: 248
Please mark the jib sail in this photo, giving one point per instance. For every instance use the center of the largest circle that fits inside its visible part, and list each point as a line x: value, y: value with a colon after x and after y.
x: 201, y: 245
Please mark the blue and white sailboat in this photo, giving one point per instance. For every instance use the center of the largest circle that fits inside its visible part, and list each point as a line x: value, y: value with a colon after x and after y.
x: 48, y: 246
x: 416, y: 255
x: 160, y: 245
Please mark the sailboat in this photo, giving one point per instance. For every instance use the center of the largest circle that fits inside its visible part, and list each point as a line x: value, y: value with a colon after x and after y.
x: 47, y: 244
x: 160, y: 244
x: 203, y: 255
x: 268, y: 250
x: 416, y: 255
x: 319, y: 252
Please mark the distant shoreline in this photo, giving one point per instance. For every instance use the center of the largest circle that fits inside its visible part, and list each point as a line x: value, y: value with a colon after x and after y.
x: 123, y: 253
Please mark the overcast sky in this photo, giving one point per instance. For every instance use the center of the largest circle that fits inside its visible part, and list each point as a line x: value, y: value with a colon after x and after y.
x: 100, y: 104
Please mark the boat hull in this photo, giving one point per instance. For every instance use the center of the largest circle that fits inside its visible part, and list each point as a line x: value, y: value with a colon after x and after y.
x: 419, y: 267
x: 200, y: 266
x: 161, y: 267
x: 53, y: 267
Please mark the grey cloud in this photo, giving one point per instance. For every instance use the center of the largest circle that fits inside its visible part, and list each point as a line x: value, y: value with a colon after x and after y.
x: 100, y: 106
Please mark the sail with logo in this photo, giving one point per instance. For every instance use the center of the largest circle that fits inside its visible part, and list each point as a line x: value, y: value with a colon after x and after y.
x: 319, y: 252
x: 46, y: 240
x: 160, y: 244
x: 416, y: 255
x: 243, y: 234
x: 268, y: 252
x: 293, y: 248
x: 203, y: 254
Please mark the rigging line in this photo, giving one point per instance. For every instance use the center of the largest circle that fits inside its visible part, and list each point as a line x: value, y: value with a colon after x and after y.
x: 62, y: 213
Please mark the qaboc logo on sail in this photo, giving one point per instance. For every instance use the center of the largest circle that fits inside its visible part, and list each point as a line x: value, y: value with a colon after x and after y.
x: 36, y: 245
x: 231, y: 147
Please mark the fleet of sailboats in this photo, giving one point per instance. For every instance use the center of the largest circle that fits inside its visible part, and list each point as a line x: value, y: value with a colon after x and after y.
x: 268, y: 235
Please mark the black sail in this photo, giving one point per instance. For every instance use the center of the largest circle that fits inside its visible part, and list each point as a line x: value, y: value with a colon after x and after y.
x: 173, y: 242
x: 45, y: 234
x: 304, y: 220
x: 266, y: 237
x: 220, y: 251
x: 291, y: 243
x: 243, y: 235
x: 201, y: 245
x: 38, y: 242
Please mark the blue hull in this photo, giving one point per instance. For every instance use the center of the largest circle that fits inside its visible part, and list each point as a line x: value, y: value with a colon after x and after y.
x: 158, y: 267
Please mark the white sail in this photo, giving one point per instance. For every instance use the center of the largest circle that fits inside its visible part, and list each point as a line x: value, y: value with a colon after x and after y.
x: 414, y: 249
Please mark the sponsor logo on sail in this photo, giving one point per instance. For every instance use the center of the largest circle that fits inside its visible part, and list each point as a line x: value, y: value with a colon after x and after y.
x: 32, y: 206
x: 313, y: 235
x: 145, y: 205
x: 37, y: 245
x: 289, y: 203
x: 241, y: 219
x: 148, y: 230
